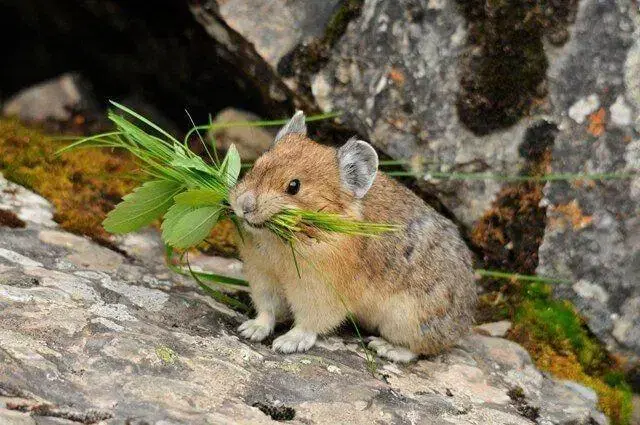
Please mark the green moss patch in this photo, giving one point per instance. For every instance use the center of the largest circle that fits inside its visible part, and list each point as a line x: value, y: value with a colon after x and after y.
x: 166, y: 354
x: 83, y: 185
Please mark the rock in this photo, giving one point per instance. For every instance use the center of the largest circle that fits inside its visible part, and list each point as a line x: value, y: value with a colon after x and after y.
x: 275, y: 28
x: 499, y: 329
x: 394, y: 73
x: 591, y: 236
x: 127, y: 342
x: 56, y: 99
x: 25, y: 204
x: 173, y: 64
x: 250, y: 141
x: 396, y: 80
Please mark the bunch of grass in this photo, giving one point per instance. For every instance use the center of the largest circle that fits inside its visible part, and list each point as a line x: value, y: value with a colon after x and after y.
x: 192, y: 195
x: 290, y: 222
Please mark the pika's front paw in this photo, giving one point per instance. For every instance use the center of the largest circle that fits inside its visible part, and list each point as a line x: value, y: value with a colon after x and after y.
x: 255, y: 329
x: 389, y: 351
x: 296, y: 340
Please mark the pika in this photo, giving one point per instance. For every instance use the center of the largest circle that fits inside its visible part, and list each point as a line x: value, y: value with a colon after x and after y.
x: 414, y: 287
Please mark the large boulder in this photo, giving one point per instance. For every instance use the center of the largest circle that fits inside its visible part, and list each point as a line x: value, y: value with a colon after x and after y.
x: 592, y: 236
x: 487, y: 87
x: 91, y: 336
x: 394, y: 73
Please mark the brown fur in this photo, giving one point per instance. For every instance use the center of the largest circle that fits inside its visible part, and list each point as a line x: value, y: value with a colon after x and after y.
x: 415, y: 286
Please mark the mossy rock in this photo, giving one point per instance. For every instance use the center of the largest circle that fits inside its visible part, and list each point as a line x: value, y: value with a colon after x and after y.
x: 83, y: 185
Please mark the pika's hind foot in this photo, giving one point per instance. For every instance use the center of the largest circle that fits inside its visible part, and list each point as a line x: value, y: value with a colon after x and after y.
x: 296, y: 340
x: 256, y: 329
x: 389, y: 351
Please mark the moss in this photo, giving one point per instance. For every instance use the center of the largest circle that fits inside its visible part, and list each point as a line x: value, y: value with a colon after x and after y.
x: 166, y: 354
x: 557, y: 324
x: 308, y: 58
x: 348, y: 11
x: 82, y: 185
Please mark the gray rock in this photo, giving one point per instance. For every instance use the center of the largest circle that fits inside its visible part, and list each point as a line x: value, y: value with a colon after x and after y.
x: 25, y: 204
x: 250, y: 141
x: 397, y: 82
x: 55, y: 99
x: 494, y: 328
x: 591, y: 236
x: 275, y: 28
x: 394, y: 74
x: 102, y: 341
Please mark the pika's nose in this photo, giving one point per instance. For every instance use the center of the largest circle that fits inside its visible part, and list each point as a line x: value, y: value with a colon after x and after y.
x: 247, y: 202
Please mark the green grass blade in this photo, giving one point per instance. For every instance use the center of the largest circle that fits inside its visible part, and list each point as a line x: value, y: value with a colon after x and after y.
x: 516, y: 178
x: 522, y: 277
x: 217, y: 295
x: 144, y: 120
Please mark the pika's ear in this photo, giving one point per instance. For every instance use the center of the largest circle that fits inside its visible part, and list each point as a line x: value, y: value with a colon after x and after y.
x: 295, y: 125
x: 358, y: 163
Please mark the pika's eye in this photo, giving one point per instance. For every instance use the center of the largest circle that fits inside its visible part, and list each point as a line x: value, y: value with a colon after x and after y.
x: 294, y: 187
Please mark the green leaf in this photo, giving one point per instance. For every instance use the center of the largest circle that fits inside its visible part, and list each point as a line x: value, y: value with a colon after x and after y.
x: 232, y: 165
x: 195, y: 163
x: 192, y: 227
x: 142, y: 206
x: 171, y: 218
x: 199, y: 198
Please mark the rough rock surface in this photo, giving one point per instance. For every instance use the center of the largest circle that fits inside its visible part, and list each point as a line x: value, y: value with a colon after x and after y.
x: 90, y: 336
x: 276, y: 27
x: 593, y: 229
x: 396, y: 79
x: 55, y: 99
x: 395, y: 76
x: 250, y: 141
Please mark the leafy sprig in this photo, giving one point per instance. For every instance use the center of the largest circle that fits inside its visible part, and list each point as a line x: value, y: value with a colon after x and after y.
x: 191, y: 195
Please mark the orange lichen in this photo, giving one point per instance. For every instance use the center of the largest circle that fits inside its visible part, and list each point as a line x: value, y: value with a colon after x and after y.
x: 571, y: 213
x: 397, y: 76
x: 597, y: 123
